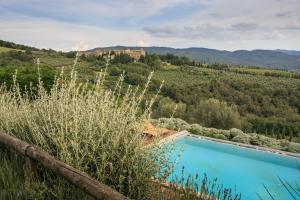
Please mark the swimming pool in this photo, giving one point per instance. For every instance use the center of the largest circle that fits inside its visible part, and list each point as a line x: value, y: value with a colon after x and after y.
x: 245, y: 169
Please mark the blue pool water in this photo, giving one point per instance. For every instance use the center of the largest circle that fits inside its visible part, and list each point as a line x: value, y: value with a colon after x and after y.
x: 235, y: 167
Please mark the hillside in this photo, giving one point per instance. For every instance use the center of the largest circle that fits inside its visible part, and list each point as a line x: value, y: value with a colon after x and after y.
x: 4, y: 49
x: 262, y: 58
x: 13, y: 45
x: 259, y: 100
x: 289, y: 52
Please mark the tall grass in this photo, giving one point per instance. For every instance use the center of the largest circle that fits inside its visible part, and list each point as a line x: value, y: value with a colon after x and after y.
x: 12, y: 181
x: 95, y: 130
x: 14, y: 184
x: 90, y: 127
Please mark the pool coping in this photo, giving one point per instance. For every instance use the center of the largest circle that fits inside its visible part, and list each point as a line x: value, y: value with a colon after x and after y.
x: 249, y: 146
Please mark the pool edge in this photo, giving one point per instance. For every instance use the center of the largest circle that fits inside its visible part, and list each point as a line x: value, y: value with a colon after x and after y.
x: 248, y: 146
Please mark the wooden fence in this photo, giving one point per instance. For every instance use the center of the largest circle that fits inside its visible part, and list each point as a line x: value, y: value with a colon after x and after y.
x: 76, y: 177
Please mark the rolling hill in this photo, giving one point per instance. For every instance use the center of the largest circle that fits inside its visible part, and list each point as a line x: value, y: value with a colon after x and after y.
x: 281, y: 59
x: 289, y: 52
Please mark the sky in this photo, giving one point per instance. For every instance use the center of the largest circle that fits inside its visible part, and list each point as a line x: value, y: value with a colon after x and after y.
x: 218, y: 24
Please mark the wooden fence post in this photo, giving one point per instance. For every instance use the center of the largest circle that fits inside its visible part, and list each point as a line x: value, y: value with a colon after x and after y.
x: 30, y: 169
x: 76, y: 177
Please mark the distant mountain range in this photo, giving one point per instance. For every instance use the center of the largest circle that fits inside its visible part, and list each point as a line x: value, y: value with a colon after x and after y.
x: 289, y: 52
x: 281, y: 59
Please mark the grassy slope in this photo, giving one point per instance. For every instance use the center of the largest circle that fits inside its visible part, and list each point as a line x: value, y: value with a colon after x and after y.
x: 251, y: 85
x: 197, y: 76
x: 257, y: 94
x: 261, y: 58
x: 240, y: 83
x: 5, y: 49
x: 249, y: 82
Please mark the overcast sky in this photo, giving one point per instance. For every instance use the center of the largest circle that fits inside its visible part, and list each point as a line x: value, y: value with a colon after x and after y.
x: 219, y: 24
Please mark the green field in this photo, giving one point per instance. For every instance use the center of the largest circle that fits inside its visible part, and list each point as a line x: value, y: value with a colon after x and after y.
x: 5, y: 49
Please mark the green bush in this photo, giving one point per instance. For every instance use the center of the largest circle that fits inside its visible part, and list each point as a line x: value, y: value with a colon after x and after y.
x: 217, y: 114
x: 166, y: 107
x: 196, y: 129
x: 235, y: 132
x: 115, y: 71
x: 18, y: 58
x: 294, y: 147
x: 92, y: 130
x: 172, y: 123
x: 122, y: 58
x: 242, y: 138
x: 219, y: 136
x: 27, y: 76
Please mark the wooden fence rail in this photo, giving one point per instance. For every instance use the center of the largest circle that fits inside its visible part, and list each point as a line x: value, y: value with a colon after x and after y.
x: 76, y: 177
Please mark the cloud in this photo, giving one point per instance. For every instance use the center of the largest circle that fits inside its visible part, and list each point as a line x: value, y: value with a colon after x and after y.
x: 231, y: 21
x: 283, y: 14
x: 274, y: 35
x: 245, y: 26
x: 206, y: 31
x: 166, y: 31
x: 81, y: 46
x: 91, y: 11
x: 222, y: 24
x: 142, y: 43
x: 64, y: 36
x: 189, y: 32
x: 291, y: 27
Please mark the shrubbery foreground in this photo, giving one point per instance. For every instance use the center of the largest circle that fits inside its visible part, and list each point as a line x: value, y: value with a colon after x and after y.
x: 87, y: 126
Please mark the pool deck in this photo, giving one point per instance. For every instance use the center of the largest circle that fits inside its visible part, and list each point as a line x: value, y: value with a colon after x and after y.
x: 249, y: 146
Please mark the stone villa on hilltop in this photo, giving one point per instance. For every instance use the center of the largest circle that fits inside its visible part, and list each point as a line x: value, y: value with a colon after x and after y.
x: 135, y: 54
